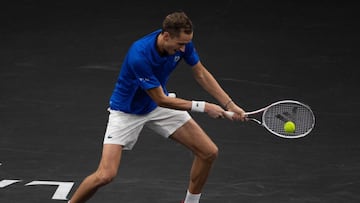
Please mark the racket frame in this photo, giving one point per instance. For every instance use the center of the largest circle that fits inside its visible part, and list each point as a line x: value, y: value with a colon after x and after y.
x: 263, y: 113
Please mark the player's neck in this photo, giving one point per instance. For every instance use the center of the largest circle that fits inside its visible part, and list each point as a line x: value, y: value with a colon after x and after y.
x: 160, y: 45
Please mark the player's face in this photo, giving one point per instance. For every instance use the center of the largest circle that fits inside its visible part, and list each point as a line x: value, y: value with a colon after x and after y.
x: 175, y: 44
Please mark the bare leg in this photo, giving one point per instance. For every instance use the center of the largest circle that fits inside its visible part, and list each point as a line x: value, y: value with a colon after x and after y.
x: 105, y: 173
x: 205, y: 152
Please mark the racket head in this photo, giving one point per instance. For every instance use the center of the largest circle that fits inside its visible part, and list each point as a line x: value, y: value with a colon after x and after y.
x: 277, y: 114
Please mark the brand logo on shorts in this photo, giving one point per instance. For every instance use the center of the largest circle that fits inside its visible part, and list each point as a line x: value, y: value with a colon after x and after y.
x: 109, y: 137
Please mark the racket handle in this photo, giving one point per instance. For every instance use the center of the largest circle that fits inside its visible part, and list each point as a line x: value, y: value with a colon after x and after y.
x: 229, y: 114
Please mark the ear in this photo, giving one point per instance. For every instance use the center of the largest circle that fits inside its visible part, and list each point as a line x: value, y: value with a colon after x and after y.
x: 166, y: 36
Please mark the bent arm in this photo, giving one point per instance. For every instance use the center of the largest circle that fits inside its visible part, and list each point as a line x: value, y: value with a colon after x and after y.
x: 208, y: 82
x: 162, y: 100
x: 157, y: 94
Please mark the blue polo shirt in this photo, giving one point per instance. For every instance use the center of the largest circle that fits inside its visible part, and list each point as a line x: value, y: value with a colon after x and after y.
x: 143, y: 68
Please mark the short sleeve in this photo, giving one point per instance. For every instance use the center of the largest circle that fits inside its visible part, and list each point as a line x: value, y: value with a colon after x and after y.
x: 144, y: 75
x: 191, y: 56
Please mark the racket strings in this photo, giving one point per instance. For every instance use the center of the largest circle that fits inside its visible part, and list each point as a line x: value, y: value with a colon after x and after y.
x: 277, y: 115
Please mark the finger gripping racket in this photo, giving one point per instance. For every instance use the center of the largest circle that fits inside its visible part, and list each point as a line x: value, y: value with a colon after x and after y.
x: 274, y: 116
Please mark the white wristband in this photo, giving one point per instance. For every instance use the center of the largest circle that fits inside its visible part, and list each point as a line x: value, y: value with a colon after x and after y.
x: 172, y: 94
x: 198, y: 106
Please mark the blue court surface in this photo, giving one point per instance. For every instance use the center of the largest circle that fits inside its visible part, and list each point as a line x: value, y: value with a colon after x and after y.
x: 59, y: 61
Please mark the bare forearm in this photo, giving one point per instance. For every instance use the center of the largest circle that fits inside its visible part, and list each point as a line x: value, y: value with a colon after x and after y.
x: 209, y: 83
x: 175, y: 103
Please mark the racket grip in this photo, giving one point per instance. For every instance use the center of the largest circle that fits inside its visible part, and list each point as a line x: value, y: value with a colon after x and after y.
x: 229, y: 114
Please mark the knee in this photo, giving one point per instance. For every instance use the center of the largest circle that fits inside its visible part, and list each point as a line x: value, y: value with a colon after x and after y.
x: 214, y: 154
x: 105, y: 177
x: 211, y: 154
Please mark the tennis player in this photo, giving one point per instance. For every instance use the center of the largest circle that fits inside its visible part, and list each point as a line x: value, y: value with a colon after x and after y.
x: 140, y: 98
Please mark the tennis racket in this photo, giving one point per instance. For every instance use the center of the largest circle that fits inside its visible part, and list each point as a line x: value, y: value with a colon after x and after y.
x: 274, y: 116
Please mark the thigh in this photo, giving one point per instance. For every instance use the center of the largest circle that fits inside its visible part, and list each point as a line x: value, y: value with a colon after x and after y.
x: 193, y: 137
x: 110, y: 159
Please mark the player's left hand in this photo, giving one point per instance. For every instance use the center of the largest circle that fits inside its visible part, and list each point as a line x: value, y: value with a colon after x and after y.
x: 239, y: 113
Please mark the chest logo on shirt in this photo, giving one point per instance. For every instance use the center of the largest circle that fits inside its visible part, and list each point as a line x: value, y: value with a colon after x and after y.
x: 144, y: 79
x: 176, y: 58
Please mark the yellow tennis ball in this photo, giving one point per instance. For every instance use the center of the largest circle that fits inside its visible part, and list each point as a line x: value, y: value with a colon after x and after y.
x: 289, y: 127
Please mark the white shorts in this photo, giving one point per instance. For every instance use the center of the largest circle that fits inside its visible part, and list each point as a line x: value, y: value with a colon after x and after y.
x: 124, y: 129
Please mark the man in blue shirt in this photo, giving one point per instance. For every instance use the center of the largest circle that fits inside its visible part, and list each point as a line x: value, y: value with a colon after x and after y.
x: 140, y: 99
